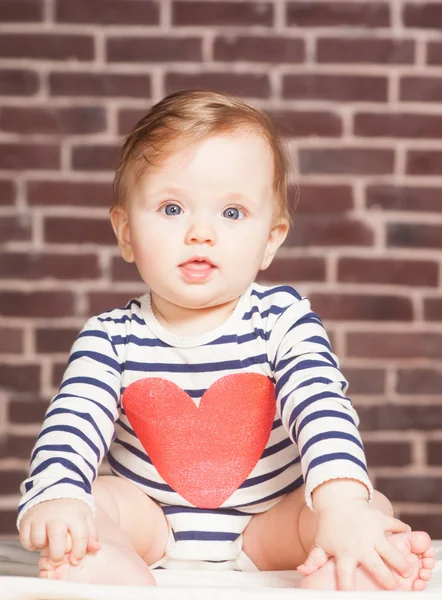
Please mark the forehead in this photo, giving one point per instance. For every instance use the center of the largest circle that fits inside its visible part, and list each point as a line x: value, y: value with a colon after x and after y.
x: 240, y: 158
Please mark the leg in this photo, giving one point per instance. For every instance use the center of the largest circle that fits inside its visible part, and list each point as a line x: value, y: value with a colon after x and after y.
x: 281, y: 538
x: 133, y: 533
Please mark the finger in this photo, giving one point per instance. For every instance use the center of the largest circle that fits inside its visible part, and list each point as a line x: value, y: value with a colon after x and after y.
x: 38, y: 535
x: 314, y: 561
x: 57, y: 531
x: 396, y: 525
x: 393, y: 557
x: 380, y: 572
x: 25, y: 536
x: 93, y: 543
x: 345, y: 572
x: 80, y: 535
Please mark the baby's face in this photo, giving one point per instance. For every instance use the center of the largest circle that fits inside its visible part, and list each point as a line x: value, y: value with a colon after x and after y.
x: 200, y: 225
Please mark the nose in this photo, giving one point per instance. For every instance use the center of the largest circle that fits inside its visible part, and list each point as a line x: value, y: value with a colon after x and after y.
x: 200, y: 231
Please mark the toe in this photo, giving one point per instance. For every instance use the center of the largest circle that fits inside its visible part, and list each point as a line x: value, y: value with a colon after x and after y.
x: 428, y: 563
x: 419, y: 585
x: 420, y: 542
x: 425, y: 574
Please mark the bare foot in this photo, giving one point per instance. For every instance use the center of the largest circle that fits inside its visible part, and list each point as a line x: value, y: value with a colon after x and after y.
x: 415, y: 546
x: 112, y: 565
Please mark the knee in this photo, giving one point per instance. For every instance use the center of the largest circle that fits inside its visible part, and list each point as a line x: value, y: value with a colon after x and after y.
x: 103, y: 496
x: 382, y: 503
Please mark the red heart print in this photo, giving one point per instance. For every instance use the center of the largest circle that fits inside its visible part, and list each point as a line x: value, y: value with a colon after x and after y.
x: 204, y: 453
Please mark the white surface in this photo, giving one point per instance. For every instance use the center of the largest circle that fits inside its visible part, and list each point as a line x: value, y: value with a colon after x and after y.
x: 18, y: 582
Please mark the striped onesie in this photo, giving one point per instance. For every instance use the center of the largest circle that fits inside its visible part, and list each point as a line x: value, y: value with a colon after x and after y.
x: 215, y: 427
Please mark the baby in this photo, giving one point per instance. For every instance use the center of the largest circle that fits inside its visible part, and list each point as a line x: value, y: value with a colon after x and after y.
x: 217, y: 401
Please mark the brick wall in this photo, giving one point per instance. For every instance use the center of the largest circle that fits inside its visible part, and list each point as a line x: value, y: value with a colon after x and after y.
x: 357, y: 88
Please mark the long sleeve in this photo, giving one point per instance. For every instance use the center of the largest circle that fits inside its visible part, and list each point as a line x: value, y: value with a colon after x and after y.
x: 310, y: 391
x: 79, y: 423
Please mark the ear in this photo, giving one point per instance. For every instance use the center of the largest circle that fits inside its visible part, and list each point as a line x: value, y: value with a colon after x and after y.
x: 277, y: 235
x: 120, y: 224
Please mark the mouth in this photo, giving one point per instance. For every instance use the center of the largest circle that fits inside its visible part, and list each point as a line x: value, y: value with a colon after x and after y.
x: 197, y: 268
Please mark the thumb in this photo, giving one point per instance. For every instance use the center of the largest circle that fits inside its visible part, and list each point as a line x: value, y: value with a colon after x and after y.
x: 396, y: 526
x: 314, y: 561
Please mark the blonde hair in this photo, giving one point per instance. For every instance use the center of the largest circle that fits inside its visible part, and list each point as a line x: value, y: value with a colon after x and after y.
x: 188, y: 117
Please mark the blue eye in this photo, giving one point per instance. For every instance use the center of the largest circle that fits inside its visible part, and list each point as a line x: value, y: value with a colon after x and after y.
x: 171, y: 210
x: 233, y: 213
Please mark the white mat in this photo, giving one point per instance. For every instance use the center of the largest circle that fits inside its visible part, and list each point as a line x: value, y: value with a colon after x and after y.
x: 18, y: 581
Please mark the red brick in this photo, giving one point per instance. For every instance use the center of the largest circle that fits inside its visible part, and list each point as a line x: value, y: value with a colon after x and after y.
x: 7, y: 192
x: 67, y: 230
x: 434, y: 452
x: 69, y: 193
x: 36, y: 304
x: 58, y: 370
x: 420, y: 89
x: 423, y: 15
x: 20, y: 378
x: 95, y: 158
x: 332, y: 14
x: 434, y: 53
x: 393, y: 345
x: 364, y: 381
x: 54, y: 340
x: 323, y: 198
x: 388, y: 271
x: 45, y: 266
x: 301, y: 123
x: 411, y: 489
x: 269, y: 49
x: 424, y: 162
x: 433, y: 309
x: 153, y: 49
x: 53, y: 120
x: 15, y: 446
x: 407, y: 417
x: 330, y: 231
x: 356, y: 307
x: 21, y: 11
x: 242, y: 84
x: 15, y: 229
x: 365, y: 50
x: 408, y: 235
x: 128, y: 118
x: 15, y: 82
x: 47, y: 46
x: 108, y: 12
x: 11, y: 480
x: 419, y: 381
x: 100, y: 84
x: 11, y: 340
x: 401, y: 125
x: 285, y: 269
x: 342, y: 88
x: 415, y: 199
x: 388, y: 454
x: 8, y: 519
x: 123, y: 271
x: 351, y: 161
x: 102, y: 301
x: 29, y: 156
x: 22, y: 412
x: 431, y: 523
x: 222, y: 13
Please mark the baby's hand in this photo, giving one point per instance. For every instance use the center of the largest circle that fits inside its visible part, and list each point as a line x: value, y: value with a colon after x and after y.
x: 62, y: 525
x: 354, y: 534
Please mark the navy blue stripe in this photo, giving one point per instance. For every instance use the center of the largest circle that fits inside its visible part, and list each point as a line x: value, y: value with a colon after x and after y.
x: 176, y: 510
x: 275, y: 290
x: 81, y: 415
x: 123, y: 319
x: 277, y: 447
x: 101, y: 359
x: 193, y: 367
x: 321, y: 414
x: 74, y: 431
x: 125, y: 427
x: 62, y: 448
x: 64, y: 462
x: 320, y: 460
x: 91, y: 381
x: 251, y: 481
x: 273, y: 310
x: 205, y: 536
x: 58, y: 482
x: 141, y: 454
x: 120, y: 469
x: 106, y: 411
x: 325, y: 395
x: 278, y: 494
x: 331, y: 435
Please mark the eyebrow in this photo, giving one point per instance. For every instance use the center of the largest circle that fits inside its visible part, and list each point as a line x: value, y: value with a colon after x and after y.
x: 234, y: 196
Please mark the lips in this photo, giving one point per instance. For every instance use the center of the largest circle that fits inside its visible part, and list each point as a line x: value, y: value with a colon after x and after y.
x: 198, y: 264
x: 197, y: 269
